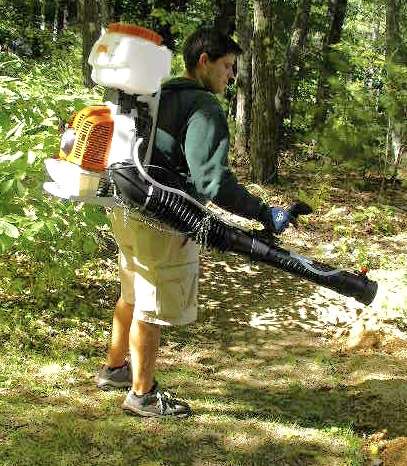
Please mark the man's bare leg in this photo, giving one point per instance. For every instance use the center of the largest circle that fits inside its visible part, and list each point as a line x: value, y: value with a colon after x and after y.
x: 122, y: 319
x: 144, y: 344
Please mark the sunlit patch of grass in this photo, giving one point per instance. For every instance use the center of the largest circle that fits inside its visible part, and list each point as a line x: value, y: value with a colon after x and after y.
x: 290, y: 440
x: 62, y: 433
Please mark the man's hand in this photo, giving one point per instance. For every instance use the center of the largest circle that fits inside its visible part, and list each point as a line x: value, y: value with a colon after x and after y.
x: 277, y: 219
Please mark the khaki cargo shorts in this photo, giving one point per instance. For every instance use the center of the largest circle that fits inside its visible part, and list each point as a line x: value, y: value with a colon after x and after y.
x: 158, y: 271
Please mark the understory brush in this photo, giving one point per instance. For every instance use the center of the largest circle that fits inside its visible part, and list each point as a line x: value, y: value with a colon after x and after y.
x: 353, y: 225
x: 51, y: 236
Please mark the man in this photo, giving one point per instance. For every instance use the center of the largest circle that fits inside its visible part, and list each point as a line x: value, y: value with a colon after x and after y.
x: 159, y: 269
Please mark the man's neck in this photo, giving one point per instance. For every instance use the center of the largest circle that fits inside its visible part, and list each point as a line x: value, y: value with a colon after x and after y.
x: 193, y: 77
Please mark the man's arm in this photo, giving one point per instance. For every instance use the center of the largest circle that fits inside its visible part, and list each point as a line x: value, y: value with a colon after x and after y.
x: 206, y: 150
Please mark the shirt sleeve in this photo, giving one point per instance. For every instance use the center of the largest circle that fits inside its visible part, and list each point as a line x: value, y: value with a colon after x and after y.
x: 206, y: 151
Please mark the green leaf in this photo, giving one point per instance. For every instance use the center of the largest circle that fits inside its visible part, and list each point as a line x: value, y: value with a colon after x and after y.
x: 16, y: 130
x: 9, y: 229
x: 89, y: 246
x: 6, y: 186
x: 35, y: 227
x: 20, y: 187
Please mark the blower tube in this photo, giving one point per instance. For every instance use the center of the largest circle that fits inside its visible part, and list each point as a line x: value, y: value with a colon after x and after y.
x: 188, y: 218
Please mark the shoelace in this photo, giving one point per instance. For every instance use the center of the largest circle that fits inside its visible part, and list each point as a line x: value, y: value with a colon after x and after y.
x: 164, y: 399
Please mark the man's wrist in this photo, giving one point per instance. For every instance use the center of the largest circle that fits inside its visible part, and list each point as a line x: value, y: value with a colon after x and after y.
x: 263, y: 214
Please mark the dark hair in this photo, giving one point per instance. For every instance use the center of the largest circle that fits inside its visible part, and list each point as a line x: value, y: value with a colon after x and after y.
x: 208, y: 40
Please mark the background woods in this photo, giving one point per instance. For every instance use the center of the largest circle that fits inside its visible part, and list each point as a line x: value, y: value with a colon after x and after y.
x: 307, y: 66
x: 320, y: 81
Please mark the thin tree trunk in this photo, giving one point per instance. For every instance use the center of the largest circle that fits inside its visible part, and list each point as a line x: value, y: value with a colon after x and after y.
x: 397, y: 134
x: 55, y: 28
x: 105, y: 13
x: 336, y: 18
x: 43, y: 24
x: 37, y: 18
x: 244, y: 27
x: 295, y: 45
x: 65, y: 16
x: 91, y: 22
x: 264, y: 153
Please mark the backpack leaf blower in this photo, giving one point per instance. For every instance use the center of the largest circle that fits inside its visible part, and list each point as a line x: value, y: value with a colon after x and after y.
x: 105, y: 159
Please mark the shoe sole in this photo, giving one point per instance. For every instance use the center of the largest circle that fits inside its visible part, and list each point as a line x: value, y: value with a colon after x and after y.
x: 107, y: 385
x: 136, y: 412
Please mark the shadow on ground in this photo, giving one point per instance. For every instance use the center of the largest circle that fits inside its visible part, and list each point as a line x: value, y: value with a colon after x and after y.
x: 266, y: 386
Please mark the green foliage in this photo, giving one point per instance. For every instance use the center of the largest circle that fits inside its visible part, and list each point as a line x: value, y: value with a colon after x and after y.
x: 178, y: 19
x: 377, y: 219
x: 372, y: 220
x: 25, y: 32
x: 366, y: 90
x: 318, y: 194
x: 355, y: 131
x: 351, y: 230
x: 35, y: 98
x: 395, y: 99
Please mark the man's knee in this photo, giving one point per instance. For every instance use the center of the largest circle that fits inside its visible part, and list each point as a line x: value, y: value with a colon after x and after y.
x: 122, y: 304
x: 141, y: 327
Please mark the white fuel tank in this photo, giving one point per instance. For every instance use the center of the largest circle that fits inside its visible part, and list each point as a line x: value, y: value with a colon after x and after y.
x: 130, y: 58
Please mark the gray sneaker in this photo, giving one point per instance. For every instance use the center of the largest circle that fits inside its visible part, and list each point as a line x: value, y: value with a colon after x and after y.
x: 155, y: 403
x: 109, y: 379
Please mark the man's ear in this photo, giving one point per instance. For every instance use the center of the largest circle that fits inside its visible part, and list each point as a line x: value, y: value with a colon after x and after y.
x: 203, y: 59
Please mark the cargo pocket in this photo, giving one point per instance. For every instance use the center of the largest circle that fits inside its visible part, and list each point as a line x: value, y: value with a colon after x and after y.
x: 177, y: 289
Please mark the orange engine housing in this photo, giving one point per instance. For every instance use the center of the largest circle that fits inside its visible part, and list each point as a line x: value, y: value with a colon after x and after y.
x: 93, y: 127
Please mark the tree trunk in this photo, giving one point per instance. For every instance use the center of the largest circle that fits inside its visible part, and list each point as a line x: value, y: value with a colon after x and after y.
x: 295, y: 45
x: 226, y: 15
x: 104, y: 12
x: 55, y: 27
x: 397, y: 134
x: 61, y: 15
x: 42, y: 24
x: 64, y: 17
x: 244, y: 26
x: 36, y: 13
x: 90, y: 14
x: 264, y: 151
x: 336, y: 19
x: 70, y: 13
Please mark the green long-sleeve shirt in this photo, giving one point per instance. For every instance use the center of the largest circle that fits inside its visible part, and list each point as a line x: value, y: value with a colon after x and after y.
x: 192, y: 140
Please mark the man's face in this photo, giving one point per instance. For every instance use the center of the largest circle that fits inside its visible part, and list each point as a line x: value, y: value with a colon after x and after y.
x: 216, y: 74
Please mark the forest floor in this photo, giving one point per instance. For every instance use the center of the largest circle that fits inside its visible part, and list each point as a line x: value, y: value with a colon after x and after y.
x: 277, y: 370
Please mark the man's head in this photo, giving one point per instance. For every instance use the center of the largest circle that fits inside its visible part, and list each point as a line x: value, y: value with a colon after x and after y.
x: 209, y: 56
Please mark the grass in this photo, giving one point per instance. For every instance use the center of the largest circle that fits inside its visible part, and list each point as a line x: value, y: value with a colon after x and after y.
x: 52, y: 414
x: 264, y: 390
